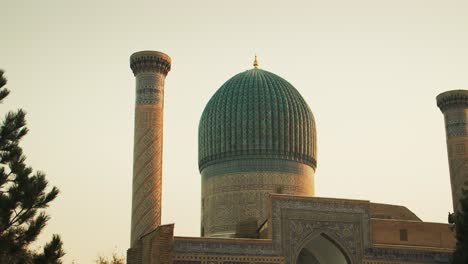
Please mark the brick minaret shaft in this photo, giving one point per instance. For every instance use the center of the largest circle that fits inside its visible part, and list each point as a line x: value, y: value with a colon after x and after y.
x: 454, y: 106
x: 150, y: 69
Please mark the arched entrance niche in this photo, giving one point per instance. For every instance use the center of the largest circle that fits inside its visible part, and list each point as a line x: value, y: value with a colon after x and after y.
x: 322, y: 249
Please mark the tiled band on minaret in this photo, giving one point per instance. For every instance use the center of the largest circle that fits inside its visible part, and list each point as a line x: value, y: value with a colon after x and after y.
x: 150, y: 69
x: 454, y: 106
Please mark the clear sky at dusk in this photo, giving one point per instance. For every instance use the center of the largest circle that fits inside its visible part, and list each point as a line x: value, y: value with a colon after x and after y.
x: 369, y: 69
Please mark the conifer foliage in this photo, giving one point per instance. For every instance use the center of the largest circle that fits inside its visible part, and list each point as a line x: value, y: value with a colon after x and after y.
x: 460, y: 256
x: 23, y: 197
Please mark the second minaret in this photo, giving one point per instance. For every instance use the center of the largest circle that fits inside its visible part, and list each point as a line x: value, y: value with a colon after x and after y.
x: 150, y: 69
x: 454, y: 106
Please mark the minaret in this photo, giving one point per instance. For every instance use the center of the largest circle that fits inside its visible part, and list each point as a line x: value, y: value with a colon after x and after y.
x: 150, y: 69
x: 454, y: 106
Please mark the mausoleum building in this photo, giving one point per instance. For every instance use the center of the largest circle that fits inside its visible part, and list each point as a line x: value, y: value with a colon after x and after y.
x: 257, y: 161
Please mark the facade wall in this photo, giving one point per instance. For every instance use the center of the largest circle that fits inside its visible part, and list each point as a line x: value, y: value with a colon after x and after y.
x: 418, y: 234
x: 295, y: 220
x: 293, y: 223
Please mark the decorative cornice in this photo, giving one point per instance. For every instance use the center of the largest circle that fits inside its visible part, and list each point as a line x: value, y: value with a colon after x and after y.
x: 256, y: 154
x: 452, y: 99
x: 224, y: 247
x: 150, y: 61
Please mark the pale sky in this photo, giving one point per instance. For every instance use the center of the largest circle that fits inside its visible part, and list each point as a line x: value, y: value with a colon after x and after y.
x: 369, y: 69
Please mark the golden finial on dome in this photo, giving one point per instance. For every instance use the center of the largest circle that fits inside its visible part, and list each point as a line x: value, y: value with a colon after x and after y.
x: 255, y: 64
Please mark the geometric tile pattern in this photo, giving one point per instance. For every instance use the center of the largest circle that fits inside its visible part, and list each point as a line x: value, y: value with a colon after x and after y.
x: 456, y: 122
x: 257, y: 114
x: 147, y: 170
x: 149, y: 88
x: 235, y: 204
x: 225, y: 259
x: 388, y: 255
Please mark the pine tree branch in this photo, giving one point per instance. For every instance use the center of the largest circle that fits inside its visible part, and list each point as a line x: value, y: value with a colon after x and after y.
x: 22, y: 196
x: 15, y: 218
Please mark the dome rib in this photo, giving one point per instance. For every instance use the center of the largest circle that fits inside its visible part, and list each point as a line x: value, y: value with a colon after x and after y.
x: 256, y: 115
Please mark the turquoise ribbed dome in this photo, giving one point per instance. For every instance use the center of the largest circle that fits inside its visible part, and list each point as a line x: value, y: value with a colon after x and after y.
x: 256, y: 115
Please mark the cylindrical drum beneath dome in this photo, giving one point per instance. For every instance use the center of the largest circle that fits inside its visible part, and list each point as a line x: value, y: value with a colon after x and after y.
x: 235, y: 194
x: 256, y: 137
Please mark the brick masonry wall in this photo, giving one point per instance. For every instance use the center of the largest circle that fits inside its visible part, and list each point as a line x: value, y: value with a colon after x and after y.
x: 418, y: 234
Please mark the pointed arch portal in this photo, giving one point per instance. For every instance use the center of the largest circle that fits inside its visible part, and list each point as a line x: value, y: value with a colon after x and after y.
x: 322, y: 250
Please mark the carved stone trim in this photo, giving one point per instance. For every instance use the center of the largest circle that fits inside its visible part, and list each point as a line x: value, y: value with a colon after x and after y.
x: 249, y: 154
x: 224, y: 247
x: 297, y: 219
x: 401, y: 255
x: 225, y: 259
x: 456, y: 123
x: 341, y: 234
x: 149, y: 89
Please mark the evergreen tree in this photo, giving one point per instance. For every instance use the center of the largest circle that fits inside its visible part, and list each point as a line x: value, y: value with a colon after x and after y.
x: 460, y: 256
x: 23, y: 197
